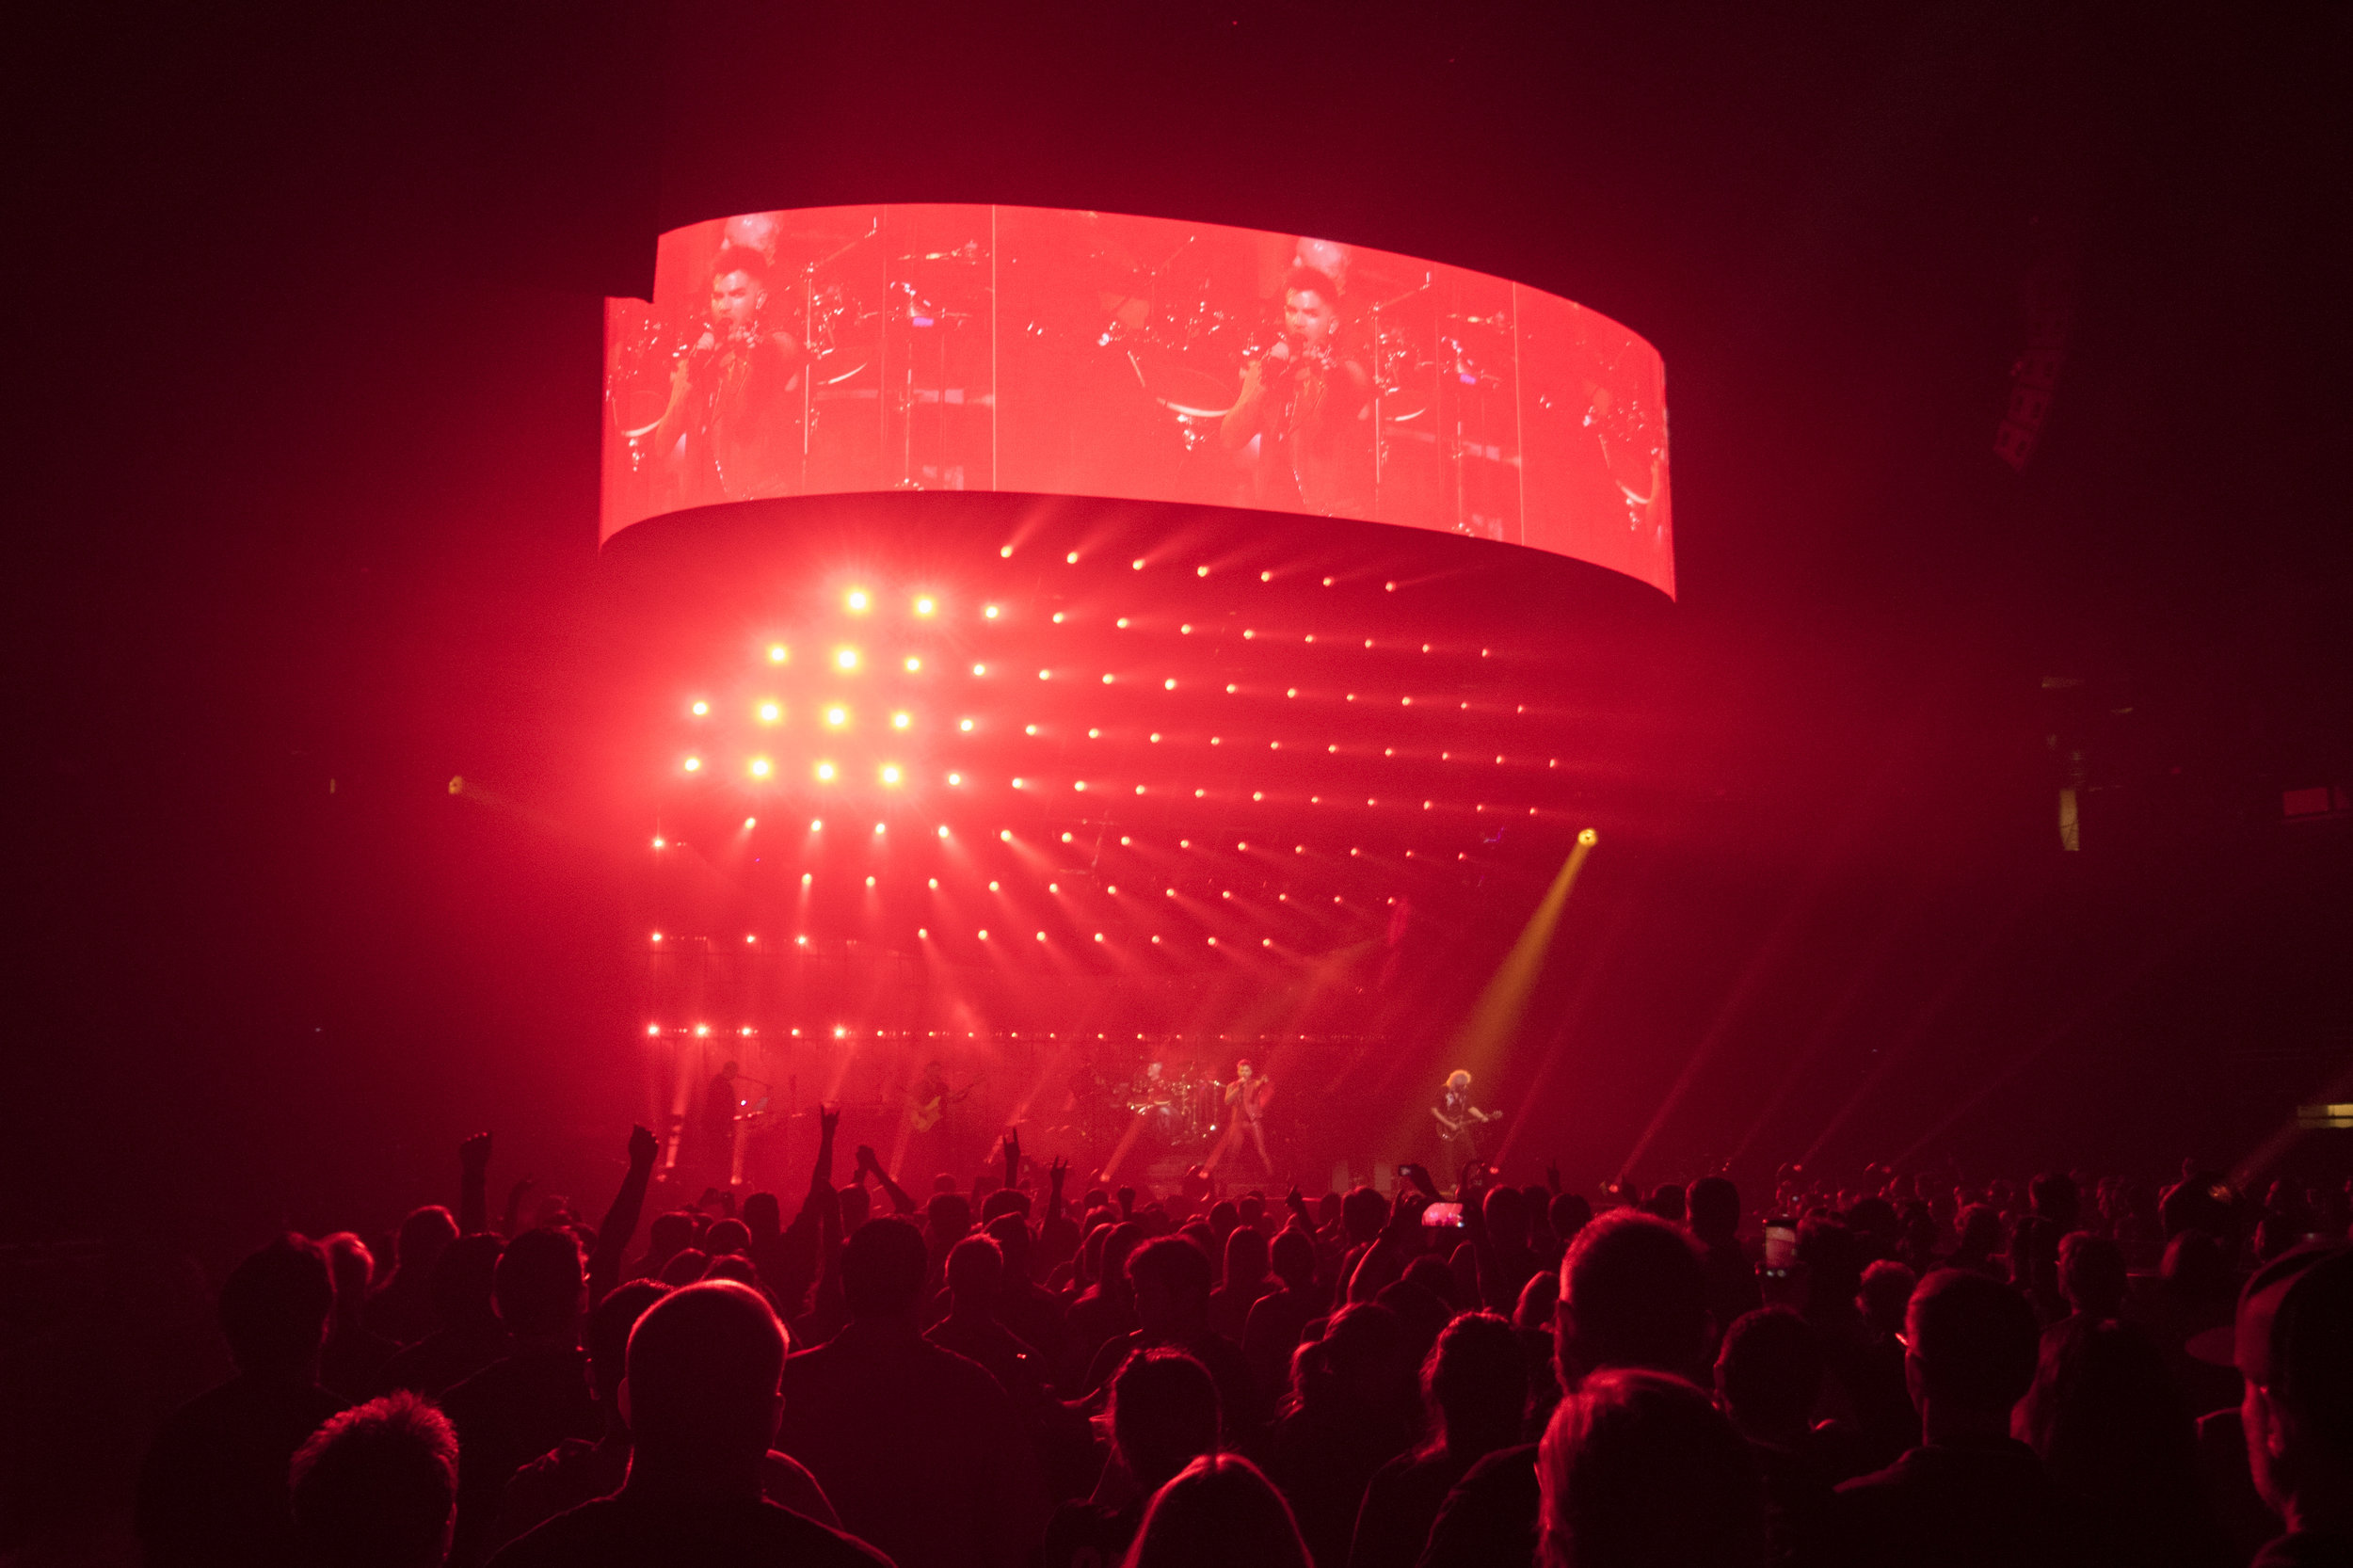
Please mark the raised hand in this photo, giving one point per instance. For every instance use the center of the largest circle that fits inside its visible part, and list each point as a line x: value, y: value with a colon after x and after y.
x: 643, y: 1146
x: 865, y: 1161
x: 829, y: 1118
x: 1055, y: 1172
x: 473, y: 1155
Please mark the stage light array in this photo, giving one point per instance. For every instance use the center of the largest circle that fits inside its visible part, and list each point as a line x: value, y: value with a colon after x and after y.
x: 1211, y: 769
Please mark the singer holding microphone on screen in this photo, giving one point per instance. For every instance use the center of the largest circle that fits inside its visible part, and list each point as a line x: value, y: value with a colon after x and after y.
x: 1302, y: 424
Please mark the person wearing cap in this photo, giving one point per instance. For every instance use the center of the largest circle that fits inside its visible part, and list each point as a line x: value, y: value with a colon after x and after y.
x: 2294, y: 1345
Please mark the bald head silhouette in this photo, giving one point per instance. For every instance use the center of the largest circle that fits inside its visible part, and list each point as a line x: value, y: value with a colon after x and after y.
x: 701, y: 1397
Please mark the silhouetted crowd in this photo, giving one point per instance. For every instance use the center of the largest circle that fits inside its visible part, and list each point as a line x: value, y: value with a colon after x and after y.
x: 1907, y: 1370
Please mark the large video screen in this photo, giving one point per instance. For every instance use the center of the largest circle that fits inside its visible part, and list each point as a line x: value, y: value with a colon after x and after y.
x: 839, y: 349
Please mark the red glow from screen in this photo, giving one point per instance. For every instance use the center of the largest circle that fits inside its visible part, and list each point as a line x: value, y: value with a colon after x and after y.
x: 842, y: 349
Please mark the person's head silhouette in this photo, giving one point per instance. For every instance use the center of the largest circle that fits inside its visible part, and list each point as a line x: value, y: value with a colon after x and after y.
x: 1219, y: 1512
x: 1633, y: 1293
x: 975, y: 1270
x: 883, y: 1268
x: 1171, y: 1277
x: 376, y: 1487
x: 609, y: 1328
x: 538, y: 1285
x: 1475, y: 1384
x: 1714, y: 1203
x: 1163, y: 1414
x: 1638, y: 1470
x: 1972, y: 1342
x: 424, y: 1236
x: 1767, y: 1373
x: 273, y: 1309
x: 702, y: 1395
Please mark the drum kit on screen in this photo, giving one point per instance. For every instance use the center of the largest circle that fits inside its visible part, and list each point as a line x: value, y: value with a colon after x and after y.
x: 1164, y: 338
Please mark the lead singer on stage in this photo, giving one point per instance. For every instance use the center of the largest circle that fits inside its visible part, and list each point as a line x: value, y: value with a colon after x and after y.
x: 730, y: 432
x: 1245, y: 1106
x: 1302, y: 422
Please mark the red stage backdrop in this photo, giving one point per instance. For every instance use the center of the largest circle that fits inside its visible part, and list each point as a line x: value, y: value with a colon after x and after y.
x: 841, y: 349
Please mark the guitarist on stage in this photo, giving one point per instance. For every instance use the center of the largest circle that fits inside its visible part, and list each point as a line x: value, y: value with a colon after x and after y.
x: 1459, y: 1121
x: 927, y: 1115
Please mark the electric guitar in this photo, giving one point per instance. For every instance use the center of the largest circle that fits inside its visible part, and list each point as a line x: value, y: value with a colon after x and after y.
x: 1456, y: 1126
x: 923, y: 1116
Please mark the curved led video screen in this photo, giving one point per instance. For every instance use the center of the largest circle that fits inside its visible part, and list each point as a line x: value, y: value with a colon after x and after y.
x: 839, y: 349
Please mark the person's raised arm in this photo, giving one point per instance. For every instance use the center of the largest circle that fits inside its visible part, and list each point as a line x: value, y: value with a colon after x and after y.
x: 515, y: 1195
x: 474, y: 1184
x: 620, y: 1220
x: 900, y: 1201
x: 1384, y: 1262
x: 1491, y: 1289
x: 1013, y: 1157
x: 820, y: 1174
x: 1054, y: 1175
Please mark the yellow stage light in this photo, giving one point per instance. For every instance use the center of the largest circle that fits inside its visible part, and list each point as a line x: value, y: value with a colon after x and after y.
x: 856, y: 599
x: 824, y: 772
x: 693, y: 764
x: 846, y: 658
x: 700, y: 708
x: 760, y: 767
x: 925, y: 604
x: 770, y: 712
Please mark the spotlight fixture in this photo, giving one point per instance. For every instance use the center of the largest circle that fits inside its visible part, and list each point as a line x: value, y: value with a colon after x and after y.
x: 990, y: 613
x: 855, y: 601
x: 778, y: 653
x: 846, y: 658
x: 900, y: 720
x: 825, y: 773
x: 914, y: 663
x: 693, y: 765
x: 760, y: 767
x: 925, y: 604
x: 700, y: 709
x: 836, y: 716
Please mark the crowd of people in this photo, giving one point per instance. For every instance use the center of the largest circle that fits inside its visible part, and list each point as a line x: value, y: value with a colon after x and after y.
x: 1009, y: 1373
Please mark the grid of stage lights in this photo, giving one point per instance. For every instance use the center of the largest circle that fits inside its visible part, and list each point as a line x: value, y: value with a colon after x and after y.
x: 1168, y: 775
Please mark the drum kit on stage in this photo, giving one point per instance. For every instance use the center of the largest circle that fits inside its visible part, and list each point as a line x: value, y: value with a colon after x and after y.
x: 1178, y: 1113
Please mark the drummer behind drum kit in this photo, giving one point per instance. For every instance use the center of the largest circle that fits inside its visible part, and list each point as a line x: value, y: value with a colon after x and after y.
x: 1178, y: 1113
x: 1444, y: 424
